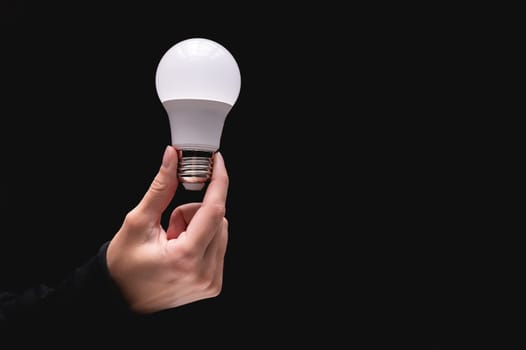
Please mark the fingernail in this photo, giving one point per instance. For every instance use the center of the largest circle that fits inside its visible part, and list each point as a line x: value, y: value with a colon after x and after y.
x: 166, y: 157
x: 220, y: 157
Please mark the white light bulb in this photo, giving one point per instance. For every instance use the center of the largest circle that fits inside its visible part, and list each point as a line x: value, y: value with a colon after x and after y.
x: 198, y: 81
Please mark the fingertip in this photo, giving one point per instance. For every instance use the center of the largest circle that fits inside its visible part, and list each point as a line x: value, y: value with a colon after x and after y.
x: 219, y: 159
x: 169, y: 157
x: 218, y: 186
x: 220, y: 156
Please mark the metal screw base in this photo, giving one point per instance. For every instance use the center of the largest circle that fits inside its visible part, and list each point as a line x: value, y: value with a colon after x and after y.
x: 195, y: 167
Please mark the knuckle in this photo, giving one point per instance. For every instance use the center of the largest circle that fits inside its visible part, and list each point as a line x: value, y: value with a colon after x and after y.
x: 158, y: 185
x: 133, y: 219
x: 224, y: 178
x: 215, y: 289
x: 186, y: 253
x: 216, y: 210
x: 208, y: 283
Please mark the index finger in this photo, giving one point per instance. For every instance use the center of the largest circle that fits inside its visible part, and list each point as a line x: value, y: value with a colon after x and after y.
x: 209, y: 217
x: 217, y: 189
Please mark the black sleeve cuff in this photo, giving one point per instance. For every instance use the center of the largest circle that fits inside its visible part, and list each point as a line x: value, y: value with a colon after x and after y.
x: 86, y: 299
x: 109, y: 293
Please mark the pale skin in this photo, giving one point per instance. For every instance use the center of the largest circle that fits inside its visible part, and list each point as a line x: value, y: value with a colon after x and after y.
x: 156, y: 268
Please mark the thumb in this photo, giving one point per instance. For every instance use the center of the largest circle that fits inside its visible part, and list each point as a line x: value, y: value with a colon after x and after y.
x: 163, y: 187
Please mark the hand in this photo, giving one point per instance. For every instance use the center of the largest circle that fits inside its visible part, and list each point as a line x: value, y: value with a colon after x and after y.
x: 157, y: 269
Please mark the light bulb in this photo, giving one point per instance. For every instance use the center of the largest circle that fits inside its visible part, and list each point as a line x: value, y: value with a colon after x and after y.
x: 198, y: 82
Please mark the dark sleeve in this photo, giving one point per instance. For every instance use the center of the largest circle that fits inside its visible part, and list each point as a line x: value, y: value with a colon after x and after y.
x: 86, y: 298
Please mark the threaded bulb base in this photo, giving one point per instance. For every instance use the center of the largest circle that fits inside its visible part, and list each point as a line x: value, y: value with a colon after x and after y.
x: 195, y: 168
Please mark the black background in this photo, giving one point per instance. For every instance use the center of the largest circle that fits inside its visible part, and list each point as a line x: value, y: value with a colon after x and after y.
x: 341, y: 161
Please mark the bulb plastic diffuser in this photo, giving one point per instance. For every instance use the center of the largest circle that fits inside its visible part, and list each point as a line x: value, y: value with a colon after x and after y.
x: 198, y: 82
